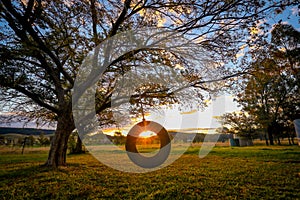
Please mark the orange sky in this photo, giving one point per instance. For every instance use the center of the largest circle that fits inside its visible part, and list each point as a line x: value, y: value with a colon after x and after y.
x: 189, y: 121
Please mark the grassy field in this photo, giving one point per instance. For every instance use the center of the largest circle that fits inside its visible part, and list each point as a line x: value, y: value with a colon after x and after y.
x: 258, y: 172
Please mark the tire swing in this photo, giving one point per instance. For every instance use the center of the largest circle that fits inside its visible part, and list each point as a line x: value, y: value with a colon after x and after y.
x: 165, y: 144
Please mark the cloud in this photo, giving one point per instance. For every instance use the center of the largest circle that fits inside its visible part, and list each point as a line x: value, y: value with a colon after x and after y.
x: 242, y: 51
x: 295, y: 10
x: 178, y: 66
x: 188, y: 112
x: 243, y: 46
x: 285, y: 22
x: 161, y: 22
x: 238, y: 55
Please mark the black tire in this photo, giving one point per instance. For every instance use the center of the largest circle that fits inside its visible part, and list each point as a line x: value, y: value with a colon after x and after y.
x: 165, y: 144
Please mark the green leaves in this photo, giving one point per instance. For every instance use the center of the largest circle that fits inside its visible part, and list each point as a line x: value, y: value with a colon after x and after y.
x: 270, y: 91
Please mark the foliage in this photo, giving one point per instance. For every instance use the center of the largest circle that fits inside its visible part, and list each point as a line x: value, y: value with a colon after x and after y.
x: 241, y: 124
x: 72, y: 142
x: 268, y: 93
x: 30, y: 141
x: 118, y: 138
x: 43, y: 141
x: 75, y: 146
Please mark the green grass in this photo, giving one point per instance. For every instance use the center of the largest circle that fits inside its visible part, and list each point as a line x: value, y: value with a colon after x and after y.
x: 258, y: 172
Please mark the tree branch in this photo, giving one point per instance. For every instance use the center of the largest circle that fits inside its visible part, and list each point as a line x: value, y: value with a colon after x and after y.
x: 36, y: 98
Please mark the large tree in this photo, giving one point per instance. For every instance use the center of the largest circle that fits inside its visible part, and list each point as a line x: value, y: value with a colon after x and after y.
x: 43, y: 43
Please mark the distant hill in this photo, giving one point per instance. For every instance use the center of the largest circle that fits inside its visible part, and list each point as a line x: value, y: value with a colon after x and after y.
x: 25, y: 131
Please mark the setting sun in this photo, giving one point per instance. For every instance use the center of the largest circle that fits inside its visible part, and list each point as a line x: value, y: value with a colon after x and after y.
x: 147, y: 134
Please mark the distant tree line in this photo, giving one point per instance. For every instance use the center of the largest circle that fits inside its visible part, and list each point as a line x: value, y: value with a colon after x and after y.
x: 25, y: 131
x: 24, y: 140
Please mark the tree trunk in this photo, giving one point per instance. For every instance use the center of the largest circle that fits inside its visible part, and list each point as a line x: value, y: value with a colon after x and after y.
x: 78, y: 148
x: 59, y: 143
x: 266, y: 138
x: 292, y: 138
x: 289, y: 139
x: 278, y: 141
x: 270, y: 135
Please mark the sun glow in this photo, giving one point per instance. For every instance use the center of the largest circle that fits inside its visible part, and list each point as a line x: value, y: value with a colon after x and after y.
x: 147, y: 134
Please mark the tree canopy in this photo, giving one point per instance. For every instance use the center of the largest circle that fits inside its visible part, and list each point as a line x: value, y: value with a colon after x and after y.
x: 269, y: 93
x: 43, y: 43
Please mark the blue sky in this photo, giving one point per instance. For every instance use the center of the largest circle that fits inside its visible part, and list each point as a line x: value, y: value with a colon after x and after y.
x: 290, y: 16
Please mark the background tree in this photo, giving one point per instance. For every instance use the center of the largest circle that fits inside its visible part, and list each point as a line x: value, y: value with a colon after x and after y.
x: 269, y: 93
x: 42, y: 140
x: 118, y: 138
x: 75, y: 146
x: 43, y: 43
x: 240, y: 124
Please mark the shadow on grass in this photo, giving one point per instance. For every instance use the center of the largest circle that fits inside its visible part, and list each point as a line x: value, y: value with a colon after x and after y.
x: 42, y: 182
x: 24, y: 172
x: 31, y: 171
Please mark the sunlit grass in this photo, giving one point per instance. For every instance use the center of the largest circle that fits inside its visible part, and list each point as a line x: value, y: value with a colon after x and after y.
x: 226, y: 173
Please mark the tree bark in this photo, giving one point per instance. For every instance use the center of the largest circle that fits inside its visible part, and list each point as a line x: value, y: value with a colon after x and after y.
x: 266, y: 138
x: 59, y: 143
x: 292, y: 138
x: 289, y: 139
x: 278, y: 140
x: 267, y: 142
x: 270, y: 134
x: 78, y: 148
